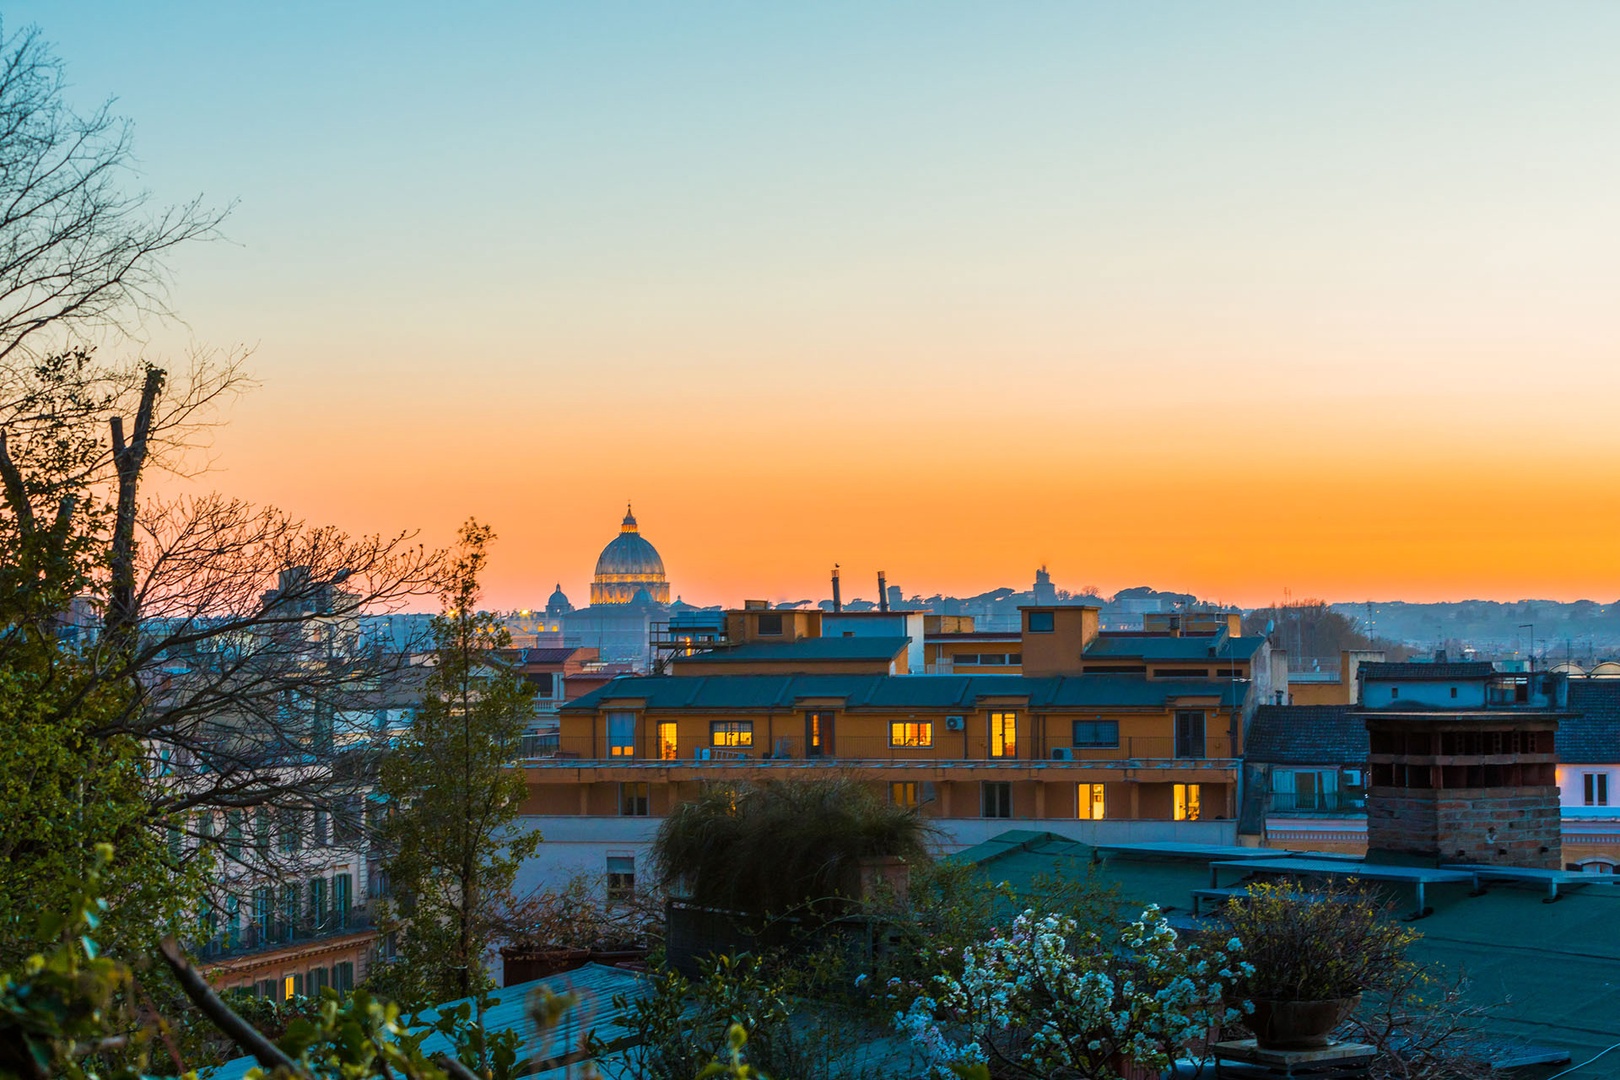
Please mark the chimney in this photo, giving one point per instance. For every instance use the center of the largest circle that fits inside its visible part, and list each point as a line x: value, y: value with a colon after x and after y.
x: 838, y: 593
x: 883, y: 592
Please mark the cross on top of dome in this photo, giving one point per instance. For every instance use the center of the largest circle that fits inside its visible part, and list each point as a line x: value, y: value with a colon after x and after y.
x: 629, y: 523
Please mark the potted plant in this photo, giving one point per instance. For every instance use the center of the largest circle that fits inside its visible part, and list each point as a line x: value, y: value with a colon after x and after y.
x: 1314, y: 948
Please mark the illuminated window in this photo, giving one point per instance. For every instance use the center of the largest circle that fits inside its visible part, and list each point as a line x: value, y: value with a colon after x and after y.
x: 1042, y: 622
x: 1004, y: 734
x: 818, y: 731
x: 1188, y: 806
x: 995, y: 799
x: 911, y: 734
x: 1096, y: 733
x: 904, y: 793
x: 634, y: 800
x: 731, y: 733
x: 1090, y: 802
x: 621, y: 728
x: 668, y: 749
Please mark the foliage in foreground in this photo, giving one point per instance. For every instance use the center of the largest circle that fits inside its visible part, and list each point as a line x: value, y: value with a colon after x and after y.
x: 782, y: 846
x: 453, y: 849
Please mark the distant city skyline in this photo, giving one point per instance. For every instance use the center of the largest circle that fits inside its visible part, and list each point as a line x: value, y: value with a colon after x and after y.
x: 1224, y: 299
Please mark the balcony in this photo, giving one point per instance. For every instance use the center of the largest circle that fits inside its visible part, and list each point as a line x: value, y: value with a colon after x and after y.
x: 944, y: 748
x: 276, y: 933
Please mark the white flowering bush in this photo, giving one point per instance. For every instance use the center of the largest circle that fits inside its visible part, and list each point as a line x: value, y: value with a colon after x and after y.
x: 1046, y: 999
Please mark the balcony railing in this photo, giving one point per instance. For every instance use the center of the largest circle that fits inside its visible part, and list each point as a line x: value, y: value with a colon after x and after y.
x: 944, y: 747
x: 1322, y: 802
x: 257, y: 936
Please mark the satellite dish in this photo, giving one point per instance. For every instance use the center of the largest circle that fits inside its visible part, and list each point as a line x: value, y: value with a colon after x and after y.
x: 1271, y: 624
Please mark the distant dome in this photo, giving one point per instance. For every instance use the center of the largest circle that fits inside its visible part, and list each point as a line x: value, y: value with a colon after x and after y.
x: 629, y: 565
x: 558, y: 604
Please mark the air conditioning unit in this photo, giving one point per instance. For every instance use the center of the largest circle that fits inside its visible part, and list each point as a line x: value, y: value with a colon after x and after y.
x: 1062, y: 753
x: 955, y: 723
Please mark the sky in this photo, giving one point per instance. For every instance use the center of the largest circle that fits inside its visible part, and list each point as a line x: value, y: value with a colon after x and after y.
x: 1223, y: 298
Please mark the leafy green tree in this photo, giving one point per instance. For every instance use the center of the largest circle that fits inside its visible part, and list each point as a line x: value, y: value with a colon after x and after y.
x: 452, y: 798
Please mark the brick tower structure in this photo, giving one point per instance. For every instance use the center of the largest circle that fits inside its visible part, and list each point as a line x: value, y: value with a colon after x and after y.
x: 1463, y: 764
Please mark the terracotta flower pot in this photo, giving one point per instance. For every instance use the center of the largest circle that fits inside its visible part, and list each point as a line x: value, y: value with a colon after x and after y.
x: 1298, y: 1025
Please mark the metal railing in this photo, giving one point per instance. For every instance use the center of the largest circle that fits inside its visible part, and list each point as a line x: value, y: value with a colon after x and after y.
x: 262, y: 935
x: 1322, y: 802
x: 941, y: 746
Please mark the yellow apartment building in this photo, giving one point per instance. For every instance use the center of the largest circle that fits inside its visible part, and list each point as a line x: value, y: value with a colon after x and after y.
x: 1109, y: 737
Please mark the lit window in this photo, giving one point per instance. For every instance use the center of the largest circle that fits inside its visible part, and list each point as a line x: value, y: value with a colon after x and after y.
x: 818, y: 730
x: 1091, y: 802
x: 904, y: 793
x: 634, y: 800
x: 911, y: 734
x: 1188, y: 806
x: 668, y: 749
x: 621, y: 728
x: 1004, y: 734
x: 1042, y: 622
x: 995, y: 799
x: 1597, y: 789
x: 731, y: 733
x: 1096, y: 733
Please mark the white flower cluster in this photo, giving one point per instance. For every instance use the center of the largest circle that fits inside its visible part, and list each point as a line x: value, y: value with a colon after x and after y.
x: 1058, y: 1002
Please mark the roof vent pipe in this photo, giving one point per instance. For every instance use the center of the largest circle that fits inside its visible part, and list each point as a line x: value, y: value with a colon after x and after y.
x: 883, y: 592
x: 838, y: 594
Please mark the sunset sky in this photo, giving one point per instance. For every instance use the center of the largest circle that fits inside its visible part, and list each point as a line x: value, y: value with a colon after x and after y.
x: 1225, y: 298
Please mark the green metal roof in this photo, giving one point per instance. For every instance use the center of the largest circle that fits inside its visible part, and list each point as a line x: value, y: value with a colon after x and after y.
x: 906, y: 691
x: 1550, y: 971
x: 817, y: 649
x: 1151, y: 647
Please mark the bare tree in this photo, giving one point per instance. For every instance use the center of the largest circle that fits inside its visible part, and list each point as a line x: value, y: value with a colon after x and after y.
x: 78, y: 247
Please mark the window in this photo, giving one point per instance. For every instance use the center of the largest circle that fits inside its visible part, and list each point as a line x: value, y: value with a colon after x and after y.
x: 1096, y: 733
x: 1453, y: 691
x: 317, y: 980
x: 995, y: 799
x: 818, y: 730
x: 290, y: 902
x: 1042, y: 622
x: 621, y: 877
x: 668, y: 743
x: 731, y: 733
x: 1004, y: 735
x: 542, y: 681
x: 1394, y: 692
x: 342, y: 900
x: 1015, y: 659
x: 966, y: 659
x: 233, y: 921
x: 621, y: 728
x: 911, y: 734
x: 770, y: 625
x: 290, y: 824
x: 904, y: 793
x: 1597, y: 788
x: 343, y: 977
x: 264, y: 917
x: 1190, y: 735
x: 1090, y: 802
x: 323, y: 828
x: 318, y: 913
x: 1188, y: 806
x: 233, y: 833
x: 634, y: 800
